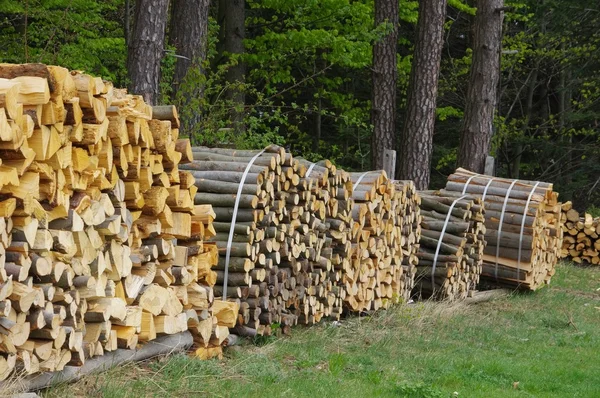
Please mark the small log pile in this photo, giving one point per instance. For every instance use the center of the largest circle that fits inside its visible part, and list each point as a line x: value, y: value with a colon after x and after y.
x: 377, y: 277
x: 451, y: 246
x: 523, y: 228
x: 101, y: 244
x: 581, y: 240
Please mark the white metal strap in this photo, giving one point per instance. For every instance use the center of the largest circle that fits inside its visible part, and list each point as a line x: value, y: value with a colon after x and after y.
x: 468, y: 182
x: 486, y: 188
x: 310, y: 169
x: 360, y: 179
x: 233, y: 219
x: 439, y: 245
x: 523, y: 227
x: 500, y: 225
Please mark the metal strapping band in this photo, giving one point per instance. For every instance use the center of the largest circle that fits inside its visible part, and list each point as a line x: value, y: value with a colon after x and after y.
x: 437, y: 250
x: 360, y: 179
x: 469, y: 181
x: 523, y: 227
x: 233, y: 218
x: 310, y: 169
x: 500, y: 225
x: 486, y: 188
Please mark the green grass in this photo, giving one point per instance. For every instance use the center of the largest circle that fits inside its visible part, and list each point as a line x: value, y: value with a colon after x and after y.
x: 543, y: 344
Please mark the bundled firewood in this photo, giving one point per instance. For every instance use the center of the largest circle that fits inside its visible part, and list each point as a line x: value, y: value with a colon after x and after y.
x: 377, y: 276
x: 581, y: 240
x: 523, y: 228
x: 103, y: 245
x: 451, y: 246
x: 285, y: 246
x: 256, y: 249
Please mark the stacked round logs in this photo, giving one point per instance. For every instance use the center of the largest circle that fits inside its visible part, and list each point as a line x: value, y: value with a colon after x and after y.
x: 101, y: 245
x: 375, y: 279
x: 280, y: 268
x: 581, y: 240
x: 523, y: 231
x: 451, y: 246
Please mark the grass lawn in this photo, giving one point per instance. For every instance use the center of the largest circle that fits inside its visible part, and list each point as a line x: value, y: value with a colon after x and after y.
x: 544, y: 344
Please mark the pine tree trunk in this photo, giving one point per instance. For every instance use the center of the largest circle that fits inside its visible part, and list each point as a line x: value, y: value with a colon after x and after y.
x: 145, y: 48
x: 383, y: 112
x: 233, y: 31
x: 189, y: 34
x: 417, y: 136
x: 483, y: 86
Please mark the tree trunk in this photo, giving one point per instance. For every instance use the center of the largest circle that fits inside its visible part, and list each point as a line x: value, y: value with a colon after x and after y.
x: 483, y: 86
x: 417, y: 136
x: 516, y: 163
x: 145, y: 48
x: 188, y: 34
x: 317, y: 126
x: 383, y: 112
x: 232, y: 24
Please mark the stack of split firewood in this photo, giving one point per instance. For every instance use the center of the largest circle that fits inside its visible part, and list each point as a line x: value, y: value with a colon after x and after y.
x: 377, y: 277
x: 523, y: 228
x: 102, y: 246
x: 451, y: 246
x: 581, y: 241
x: 325, y: 190
x: 409, y: 214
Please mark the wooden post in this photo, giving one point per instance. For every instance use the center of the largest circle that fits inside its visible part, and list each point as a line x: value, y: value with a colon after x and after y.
x: 489, y: 166
x: 389, y: 163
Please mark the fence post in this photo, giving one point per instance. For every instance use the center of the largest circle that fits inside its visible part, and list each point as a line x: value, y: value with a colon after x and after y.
x: 389, y: 163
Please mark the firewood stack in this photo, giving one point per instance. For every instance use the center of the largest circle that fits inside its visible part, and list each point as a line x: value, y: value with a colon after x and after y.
x: 258, y: 243
x: 330, y: 209
x: 281, y: 268
x: 451, y: 246
x: 375, y: 279
x: 581, y: 241
x: 410, y: 223
x: 101, y: 245
x: 523, y: 228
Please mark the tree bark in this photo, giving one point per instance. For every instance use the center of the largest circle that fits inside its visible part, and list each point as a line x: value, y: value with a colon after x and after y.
x: 483, y: 85
x: 145, y: 48
x: 383, y: 112
x: 233, y: 31
x: 417, y: 136
x: 189, y: 34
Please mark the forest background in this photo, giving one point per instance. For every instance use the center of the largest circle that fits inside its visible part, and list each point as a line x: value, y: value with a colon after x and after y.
x: 299, y: 73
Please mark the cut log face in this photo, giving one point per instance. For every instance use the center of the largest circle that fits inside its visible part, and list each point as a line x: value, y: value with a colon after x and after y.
x: 524, y: 229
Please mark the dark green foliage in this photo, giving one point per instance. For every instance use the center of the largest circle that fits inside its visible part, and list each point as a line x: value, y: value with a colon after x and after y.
x: 78, y: 34
x: 308, y: 79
